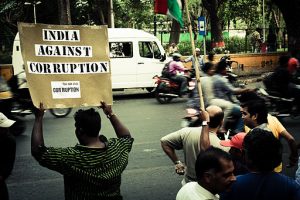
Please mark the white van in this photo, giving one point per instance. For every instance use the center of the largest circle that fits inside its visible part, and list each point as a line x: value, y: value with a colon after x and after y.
x: 135, y: 56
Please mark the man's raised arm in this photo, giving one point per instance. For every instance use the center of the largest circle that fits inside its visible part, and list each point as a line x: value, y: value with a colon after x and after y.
x: 37, y: 138
x: 120, y: 129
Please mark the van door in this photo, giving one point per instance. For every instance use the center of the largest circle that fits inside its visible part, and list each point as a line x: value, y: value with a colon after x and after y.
x: 149, y: 63
x: 123, y: 69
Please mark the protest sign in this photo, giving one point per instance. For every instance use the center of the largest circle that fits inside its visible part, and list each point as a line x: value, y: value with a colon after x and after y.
x: 66, y: 65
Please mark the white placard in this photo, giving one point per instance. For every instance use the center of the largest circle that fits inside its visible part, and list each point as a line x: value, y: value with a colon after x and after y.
x: 65, y: 89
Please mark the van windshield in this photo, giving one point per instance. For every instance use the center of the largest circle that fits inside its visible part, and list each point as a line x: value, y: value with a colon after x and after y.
x: 120, y: 49
x: 149, y: 50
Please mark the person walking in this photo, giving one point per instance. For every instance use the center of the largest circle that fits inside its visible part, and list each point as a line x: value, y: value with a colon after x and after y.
x: 93, y: 168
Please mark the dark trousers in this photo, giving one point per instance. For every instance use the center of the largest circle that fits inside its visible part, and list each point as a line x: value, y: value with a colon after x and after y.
x: 3, y: 190
x: 182, y: 80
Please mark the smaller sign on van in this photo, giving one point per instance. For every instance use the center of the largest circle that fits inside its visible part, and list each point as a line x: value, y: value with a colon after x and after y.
x: 64, y: 65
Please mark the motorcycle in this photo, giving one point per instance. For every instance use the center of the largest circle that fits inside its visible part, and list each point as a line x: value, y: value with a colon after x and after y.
x: 166, y: 89
x: 23, y: 105
x: 279, y: 106
x: 233, y: 123
x: 16, y: 104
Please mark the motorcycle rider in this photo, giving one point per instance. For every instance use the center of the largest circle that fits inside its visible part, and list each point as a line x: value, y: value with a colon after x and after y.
x: 223, y: 91
x: 176, y: 70
x: 192, y: 59
x: 281, y: 80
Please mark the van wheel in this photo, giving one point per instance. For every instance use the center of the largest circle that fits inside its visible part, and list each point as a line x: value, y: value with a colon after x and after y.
x: 150, y: 89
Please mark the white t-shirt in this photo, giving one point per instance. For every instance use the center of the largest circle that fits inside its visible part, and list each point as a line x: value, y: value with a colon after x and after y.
x: 193, y: 191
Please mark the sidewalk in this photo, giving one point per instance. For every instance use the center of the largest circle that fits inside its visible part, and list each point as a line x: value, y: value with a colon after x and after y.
x: 252, y: 78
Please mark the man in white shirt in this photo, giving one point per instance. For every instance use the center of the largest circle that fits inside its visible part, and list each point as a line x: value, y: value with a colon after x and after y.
x: 214, y: 170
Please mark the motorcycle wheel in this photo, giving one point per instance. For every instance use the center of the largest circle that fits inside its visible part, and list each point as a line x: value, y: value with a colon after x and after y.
x: 163, y: 99
x: 60, y: 112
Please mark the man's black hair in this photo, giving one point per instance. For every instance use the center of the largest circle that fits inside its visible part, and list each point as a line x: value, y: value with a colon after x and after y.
x: 88, y: 122
x: 210, y: 160
x: 216, y: 119
x: 221, y: 66
x: 249, y: 96
x: 283, y: 61
x: 262, y: 150
x: 211, y: 56
x: 207, y: 66
x: 257, y: 107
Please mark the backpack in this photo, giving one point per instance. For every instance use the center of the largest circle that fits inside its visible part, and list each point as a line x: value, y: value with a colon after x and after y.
x: 165, y: 71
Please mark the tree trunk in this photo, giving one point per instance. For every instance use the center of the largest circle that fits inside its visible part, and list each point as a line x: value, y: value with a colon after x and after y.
x: 64, y: 13
x: 291, y: 14
x: 216, y: 30
x: 175, y: 32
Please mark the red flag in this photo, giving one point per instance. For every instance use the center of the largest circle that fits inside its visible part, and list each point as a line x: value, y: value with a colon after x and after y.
x: 161, y: 7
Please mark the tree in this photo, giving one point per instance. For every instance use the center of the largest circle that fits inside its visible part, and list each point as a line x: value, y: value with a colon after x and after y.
x: 291, y: 14
x: 175, y: 32
x: 64, y: 12
x: 212, y: 7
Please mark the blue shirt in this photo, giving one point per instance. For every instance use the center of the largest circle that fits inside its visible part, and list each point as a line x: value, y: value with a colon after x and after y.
x: 222, y: 88
x: 263, y: 186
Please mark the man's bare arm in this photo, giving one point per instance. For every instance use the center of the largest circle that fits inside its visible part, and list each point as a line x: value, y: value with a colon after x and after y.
x: 204, y: 138
x: 120, y: 129
x: 37, y: 138
x: 179, y: 166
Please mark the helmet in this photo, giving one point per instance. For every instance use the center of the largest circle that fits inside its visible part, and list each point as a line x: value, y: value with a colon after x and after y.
x: 176, y: 56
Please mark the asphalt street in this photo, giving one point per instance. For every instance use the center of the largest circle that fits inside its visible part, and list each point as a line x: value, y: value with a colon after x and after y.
x: 149, y: 174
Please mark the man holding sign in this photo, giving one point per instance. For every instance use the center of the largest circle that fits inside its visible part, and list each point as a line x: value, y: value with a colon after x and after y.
x: 92, y: 169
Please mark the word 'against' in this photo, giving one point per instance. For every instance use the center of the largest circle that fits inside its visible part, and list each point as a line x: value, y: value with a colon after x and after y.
x: 63, y: 50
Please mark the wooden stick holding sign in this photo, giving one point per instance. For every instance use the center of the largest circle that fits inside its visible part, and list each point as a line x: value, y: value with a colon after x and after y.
x: 201, y: 101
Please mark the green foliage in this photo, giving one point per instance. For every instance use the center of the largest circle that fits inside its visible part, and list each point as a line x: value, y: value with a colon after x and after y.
x: 248, y: 11
x: 133, y: 13
x: 235, y: 44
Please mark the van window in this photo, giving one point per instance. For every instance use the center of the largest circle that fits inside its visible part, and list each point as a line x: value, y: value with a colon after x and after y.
x: 120, y: 49
x: 149, y: 50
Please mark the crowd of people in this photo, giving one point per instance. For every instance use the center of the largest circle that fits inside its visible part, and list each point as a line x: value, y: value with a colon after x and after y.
x: 246, y: 166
